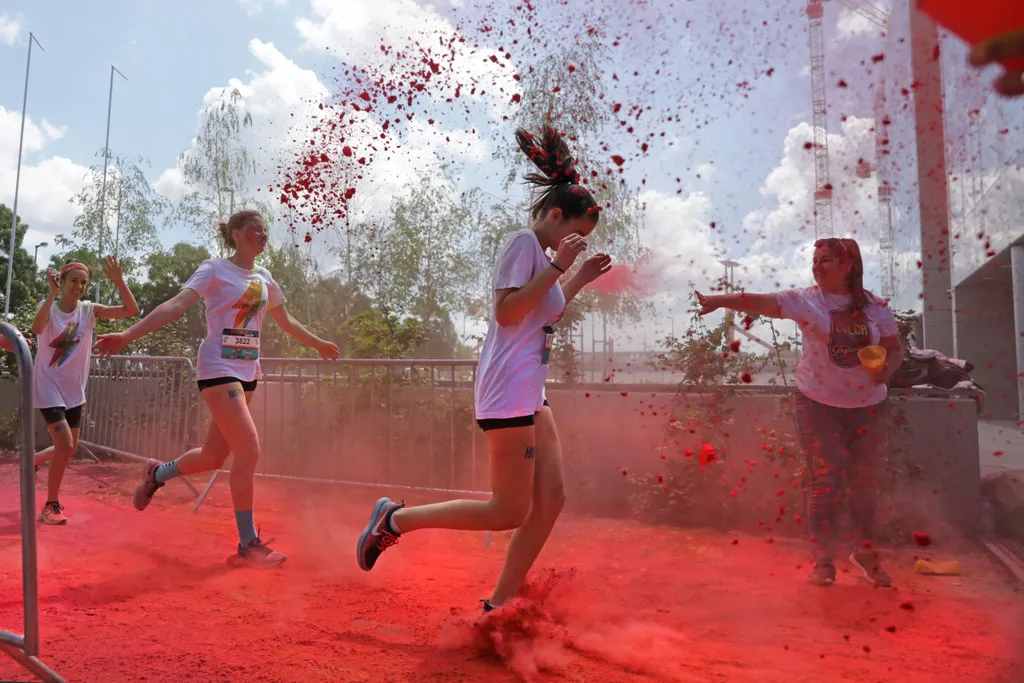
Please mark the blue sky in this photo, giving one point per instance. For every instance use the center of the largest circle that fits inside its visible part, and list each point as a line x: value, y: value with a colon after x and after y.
x: 745, y: 169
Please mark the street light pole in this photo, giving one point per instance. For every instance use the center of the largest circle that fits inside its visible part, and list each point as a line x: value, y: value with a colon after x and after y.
x: 17, y: 179
x: 35, y: 257
x: 106, y: 162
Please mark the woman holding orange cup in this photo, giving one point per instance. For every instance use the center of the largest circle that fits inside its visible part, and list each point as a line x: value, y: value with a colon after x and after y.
x: 851, y: 347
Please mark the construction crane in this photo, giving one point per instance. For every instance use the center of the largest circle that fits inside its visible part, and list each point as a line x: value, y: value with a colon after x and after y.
x: 822, y: 184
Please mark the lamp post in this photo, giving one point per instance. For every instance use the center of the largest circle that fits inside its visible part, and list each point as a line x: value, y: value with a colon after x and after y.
x: 35, y: 257
x: 17, y: 186
x: 106, y: 164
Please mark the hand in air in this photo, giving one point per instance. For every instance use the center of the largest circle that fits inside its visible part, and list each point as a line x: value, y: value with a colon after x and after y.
x: 113, y: 269
x: 1005, y: 46
x: 109, y: 344
x: 594, y: 267
x: 52, y: 281
x: 571, y: 247
x: 327, y: 350
x: 707, y: 304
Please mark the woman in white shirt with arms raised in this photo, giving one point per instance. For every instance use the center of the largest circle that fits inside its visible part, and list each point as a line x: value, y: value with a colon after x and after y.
x: 842, y: 415
x: 64, y: 335
x: 237, y: 296
x: 525, y: 455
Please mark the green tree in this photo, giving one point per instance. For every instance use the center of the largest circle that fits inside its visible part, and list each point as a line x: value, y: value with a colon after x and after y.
x: 26, y: 282
x: 380, y: 333
x: 166, y: 272
x: 217, y: 169
x: 131, y: 210
x: 419, y: 263
x: 322, y: 302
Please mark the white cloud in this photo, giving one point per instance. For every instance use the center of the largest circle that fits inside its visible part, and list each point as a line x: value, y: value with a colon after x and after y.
x: 171, y: 184
x: 285, y: 102
x: 47, y: 186
x: 9, y: 30
x: 356, y: 29
x: 705, y: 171
x: 256, y: 6
x: 791, y: 185
x: 851, y: 23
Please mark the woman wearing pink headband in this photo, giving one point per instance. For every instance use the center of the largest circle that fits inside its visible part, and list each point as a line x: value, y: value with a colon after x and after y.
x: 64, y: 333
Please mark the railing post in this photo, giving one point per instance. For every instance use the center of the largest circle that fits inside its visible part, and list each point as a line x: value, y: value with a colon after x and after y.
x: 25, y: 649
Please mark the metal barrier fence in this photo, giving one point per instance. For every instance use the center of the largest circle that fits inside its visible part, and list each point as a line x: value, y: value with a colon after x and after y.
x: 396, y: 424
x: 24, y: 649
x: 141, y: 407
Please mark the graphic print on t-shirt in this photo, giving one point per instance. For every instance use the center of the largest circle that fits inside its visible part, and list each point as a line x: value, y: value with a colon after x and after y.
x: 250, y: 304
x: 848, y: 332
x: 64, y: 344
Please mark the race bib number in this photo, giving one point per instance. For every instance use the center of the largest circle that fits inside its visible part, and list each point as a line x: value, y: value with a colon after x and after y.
x: 549, y: 340
x: 240, y: 344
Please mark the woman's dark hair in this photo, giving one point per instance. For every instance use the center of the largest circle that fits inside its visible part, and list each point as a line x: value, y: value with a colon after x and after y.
x: 558, y: 176
x: 237, y: 221
x: 848, y: 251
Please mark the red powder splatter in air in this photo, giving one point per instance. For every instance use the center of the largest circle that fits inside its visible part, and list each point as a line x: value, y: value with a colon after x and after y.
x: 619, y: 279
x: 708, y: 455
x: 997, y: 453
x: 625, y: 472
x: 735, y: 346
x: 618, y: 160
x: 746, y: 378
x: 922, y: 539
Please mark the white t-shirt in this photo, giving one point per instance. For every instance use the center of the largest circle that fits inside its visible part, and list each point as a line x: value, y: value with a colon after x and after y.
x: 63, y: 350
x: 511, y: 373
x: 236, y: 301
x: 829, y: 371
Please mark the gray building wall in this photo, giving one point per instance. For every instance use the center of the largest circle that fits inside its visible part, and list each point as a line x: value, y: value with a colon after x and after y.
x: 983, y: 315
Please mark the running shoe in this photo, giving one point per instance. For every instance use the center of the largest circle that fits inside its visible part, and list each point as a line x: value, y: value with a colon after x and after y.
x: 144, y: 491
x: 377, y: 536
x: 488, y: 607
x: 823, y: 574
x: 53, y: 513
x: 259, y: 554
x: 868, y: 563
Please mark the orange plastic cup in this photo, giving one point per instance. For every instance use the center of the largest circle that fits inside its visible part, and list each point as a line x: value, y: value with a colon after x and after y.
x: 872, y: 357
x: 977, y: 21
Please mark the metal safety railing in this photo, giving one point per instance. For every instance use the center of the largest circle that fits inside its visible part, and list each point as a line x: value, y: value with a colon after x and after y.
x: 25, y: 648
x: 396, y: 424
x: 141, y: 407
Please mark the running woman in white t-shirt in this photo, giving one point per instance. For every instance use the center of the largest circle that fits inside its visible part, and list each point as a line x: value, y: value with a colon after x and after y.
x: 841, y: 411
x: 64, y: 342
x: 237, y: 294
x: 525, y: 455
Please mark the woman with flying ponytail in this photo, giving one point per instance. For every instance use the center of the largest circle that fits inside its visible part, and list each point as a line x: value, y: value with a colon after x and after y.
x: 511, y: 410
x: 842, y: 416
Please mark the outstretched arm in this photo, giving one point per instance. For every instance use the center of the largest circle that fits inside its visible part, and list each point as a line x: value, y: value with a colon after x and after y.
x: 298, y: 332
x: 172, y: 309
x: 128, y: 308
x: 754, y: 304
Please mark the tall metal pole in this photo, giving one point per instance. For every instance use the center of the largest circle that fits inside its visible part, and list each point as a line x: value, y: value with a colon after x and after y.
x: 106, y: 162
x: 17, y: 180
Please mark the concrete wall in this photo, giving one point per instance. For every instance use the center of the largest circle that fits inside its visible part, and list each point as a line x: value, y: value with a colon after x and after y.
x: 427, y: 438
x: 985, y: 337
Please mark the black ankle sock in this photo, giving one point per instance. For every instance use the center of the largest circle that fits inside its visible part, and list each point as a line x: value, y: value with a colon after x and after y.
x: 53, y: 502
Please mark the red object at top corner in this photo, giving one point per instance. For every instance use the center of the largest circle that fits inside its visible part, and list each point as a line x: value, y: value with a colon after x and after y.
x: 976, y: 22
